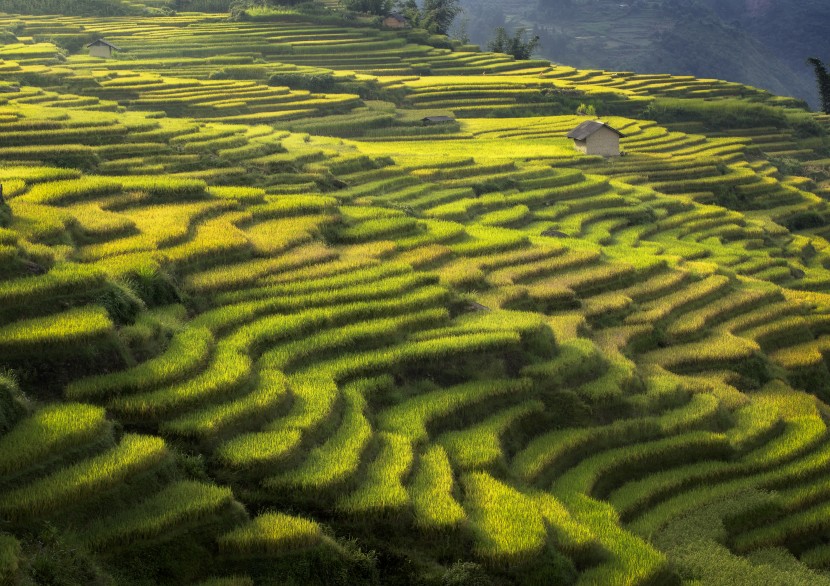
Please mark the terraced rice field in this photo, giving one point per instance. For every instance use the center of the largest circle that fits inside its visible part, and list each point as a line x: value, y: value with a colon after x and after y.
x: 259, y: 324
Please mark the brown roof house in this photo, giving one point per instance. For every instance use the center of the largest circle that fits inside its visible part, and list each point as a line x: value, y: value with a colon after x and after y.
x: 596, y: 138
x: 395, y: 20
x: 101, y: 48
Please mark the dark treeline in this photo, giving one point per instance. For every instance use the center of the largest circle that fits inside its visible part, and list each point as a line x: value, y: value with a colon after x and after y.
x: 823, y: 82
x: 72, y: 7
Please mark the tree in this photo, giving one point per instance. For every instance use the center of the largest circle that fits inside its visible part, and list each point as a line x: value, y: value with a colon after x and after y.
x: 379, y: 7
x: 518, y: 45
x: 823, y: 81
x: 410, y: 9
x: 438, y: 15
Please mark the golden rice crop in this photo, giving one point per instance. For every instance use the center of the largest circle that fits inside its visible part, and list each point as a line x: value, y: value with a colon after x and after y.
x: 431, y: 491
x: 80, y: 481
x: 271, y: 533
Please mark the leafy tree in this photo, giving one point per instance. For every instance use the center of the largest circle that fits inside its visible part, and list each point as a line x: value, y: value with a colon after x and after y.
x: 518, y: 45
x: 379, y: 7
x: 823, y: 80
x: 586, y: 110
x: 412, y: 12
x: 438, y: 15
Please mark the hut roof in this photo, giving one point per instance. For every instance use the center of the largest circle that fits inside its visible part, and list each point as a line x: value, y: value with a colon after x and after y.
x: 589, y: 127
x: 438, y: 119
x: 103, y: 42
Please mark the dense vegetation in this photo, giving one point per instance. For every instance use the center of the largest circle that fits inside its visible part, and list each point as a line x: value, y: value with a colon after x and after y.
x: 261, y: 324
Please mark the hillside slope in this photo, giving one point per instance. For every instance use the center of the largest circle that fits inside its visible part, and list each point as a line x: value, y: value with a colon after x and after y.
x: 261, y: 324
x: 764, y: 44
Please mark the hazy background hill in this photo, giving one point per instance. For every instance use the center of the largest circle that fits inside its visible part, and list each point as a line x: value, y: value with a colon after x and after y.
x: 760, y: 42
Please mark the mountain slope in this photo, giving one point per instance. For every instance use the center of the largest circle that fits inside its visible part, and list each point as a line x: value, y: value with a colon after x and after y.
x: 763, y: 44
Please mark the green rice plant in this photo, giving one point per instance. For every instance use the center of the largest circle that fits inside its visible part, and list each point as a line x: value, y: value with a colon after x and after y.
x: 614, y: 466
x: 275, y: 236
x: 215, y: 240
x: 339, y: 457
x: 800, y: 434
x: 480, y: 446
x: 425, y: 255
x: 410, y: 418
x: 719, y: 349
x: 382, y: 487
x: 188, y: 351
x: 578, y: 360
x: 271, y: 391
x: 248, y: 272
x: 288, y: 356
x: 165, y: 188
x: 49, y: 432
x: 556, y: 450
x: 817, y: 557
x: 364, y: 256
x: 805, y: 355
x: 229, y: 316
x: 371, y: 273
x: 570, y: 536
x: 796, y: 526
x: 487, y: 240
x: 95, y: 222
x: 63, y: 280
x: 753, y: 423
x: 253, y: 450
x: 180, y: 503
x: 507, y: 523
x: 431, y: 492
x: 271, y: 533
x: 70, y: 155
x: 542, y: 268
x: 694, y: 322
x: 675, y: 302
x: 247, y: 195
x: 59, y: 331
x: 505, y: 217
x: 73, y: 484
x: 431, y: 232
x: 315, y: 394
x: 10, y: 557
x: 630, y: 559
x: 376, y: 229
x: 32, y: 175
x: 228, y: 370
x: 71, y: 190
x: 781, y: 473
x: 160, y: 226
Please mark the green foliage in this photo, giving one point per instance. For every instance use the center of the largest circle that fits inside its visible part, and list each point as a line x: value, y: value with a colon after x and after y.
x: 79, y: 7
x: 715, y: 115
x: 519, y: 46
x: 823, y: 82
x: 437, y: 16
x: 378, y: 7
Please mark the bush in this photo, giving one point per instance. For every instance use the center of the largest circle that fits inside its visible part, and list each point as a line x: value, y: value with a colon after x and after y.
x: 716, y: 115
x: 313, y: 82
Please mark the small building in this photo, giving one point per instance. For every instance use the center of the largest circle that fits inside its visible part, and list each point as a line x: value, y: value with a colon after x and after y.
x: 102, y: 49
x: 430, y: 120
x: 395, y: 20
x: 596, y: 138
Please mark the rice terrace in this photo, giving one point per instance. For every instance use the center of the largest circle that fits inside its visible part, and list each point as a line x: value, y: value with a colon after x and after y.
x: 288, y: 296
